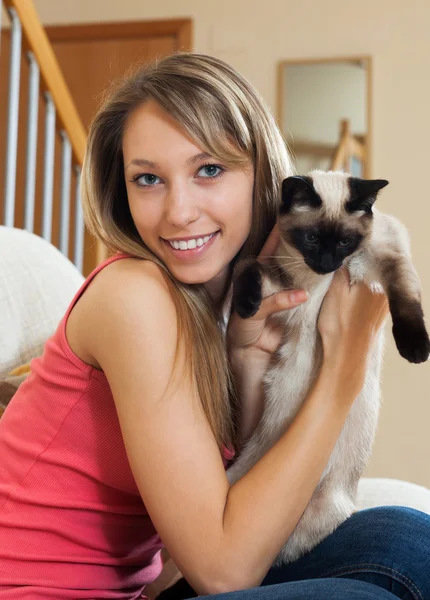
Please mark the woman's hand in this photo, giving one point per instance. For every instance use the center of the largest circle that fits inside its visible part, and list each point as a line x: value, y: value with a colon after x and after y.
x: 350, y: 319
x: 258, y: 336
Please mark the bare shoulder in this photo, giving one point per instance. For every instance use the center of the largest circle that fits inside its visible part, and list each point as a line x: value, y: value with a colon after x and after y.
x: 126, y: 289
x: 129, y: 271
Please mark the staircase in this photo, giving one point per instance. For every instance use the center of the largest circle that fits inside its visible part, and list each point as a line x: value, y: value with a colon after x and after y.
x: 62, y: 130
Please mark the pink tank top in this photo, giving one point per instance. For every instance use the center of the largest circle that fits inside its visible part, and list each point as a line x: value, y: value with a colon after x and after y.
x: 72, y: 522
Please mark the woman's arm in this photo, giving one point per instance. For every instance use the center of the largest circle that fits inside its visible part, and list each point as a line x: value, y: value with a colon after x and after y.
x: 221, y: 538
x: 248, y: 373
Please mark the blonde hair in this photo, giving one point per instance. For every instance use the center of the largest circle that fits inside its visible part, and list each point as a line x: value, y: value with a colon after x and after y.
x: 216, y: 106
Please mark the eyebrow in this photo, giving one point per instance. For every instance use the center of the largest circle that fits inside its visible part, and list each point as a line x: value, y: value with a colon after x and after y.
x: 142, y: 162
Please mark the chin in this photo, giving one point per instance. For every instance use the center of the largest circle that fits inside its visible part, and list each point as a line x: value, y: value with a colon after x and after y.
x: 192, y: 274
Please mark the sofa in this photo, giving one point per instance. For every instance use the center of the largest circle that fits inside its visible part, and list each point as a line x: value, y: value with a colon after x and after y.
x: 37, y: 283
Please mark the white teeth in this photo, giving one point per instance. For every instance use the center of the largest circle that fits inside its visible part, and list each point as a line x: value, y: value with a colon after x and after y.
x: 190, y: 244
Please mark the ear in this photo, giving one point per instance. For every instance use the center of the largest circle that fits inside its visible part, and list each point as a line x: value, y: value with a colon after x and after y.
x: 298, y: 190
x: 363, y: 193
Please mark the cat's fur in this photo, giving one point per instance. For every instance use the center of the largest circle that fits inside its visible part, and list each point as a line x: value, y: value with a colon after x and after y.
x: 332, y: 206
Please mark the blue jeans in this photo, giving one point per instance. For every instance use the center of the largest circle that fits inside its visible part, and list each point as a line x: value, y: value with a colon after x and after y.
x: 378, y: 553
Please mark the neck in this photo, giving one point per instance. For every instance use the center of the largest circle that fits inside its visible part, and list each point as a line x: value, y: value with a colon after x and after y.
x: 218, y: 288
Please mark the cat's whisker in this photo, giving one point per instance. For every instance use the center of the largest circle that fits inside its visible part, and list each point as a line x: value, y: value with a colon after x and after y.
x: 288, y: 258
x: 280, y: 256
x: 290, y: 265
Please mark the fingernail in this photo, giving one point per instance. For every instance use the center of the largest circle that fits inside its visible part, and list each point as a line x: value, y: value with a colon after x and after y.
x: 299, y: 296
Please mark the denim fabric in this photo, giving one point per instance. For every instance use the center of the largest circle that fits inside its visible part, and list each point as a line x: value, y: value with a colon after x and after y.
x: 379, y: 553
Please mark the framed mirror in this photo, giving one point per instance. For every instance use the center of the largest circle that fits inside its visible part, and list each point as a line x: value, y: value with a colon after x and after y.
x: 324, y: 113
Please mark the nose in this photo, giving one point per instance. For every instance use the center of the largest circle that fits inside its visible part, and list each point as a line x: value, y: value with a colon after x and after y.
x: 182, y: 206
x: 326, y: 263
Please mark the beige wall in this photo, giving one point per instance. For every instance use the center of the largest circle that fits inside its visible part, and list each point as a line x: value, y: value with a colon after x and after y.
x: 253, y: 36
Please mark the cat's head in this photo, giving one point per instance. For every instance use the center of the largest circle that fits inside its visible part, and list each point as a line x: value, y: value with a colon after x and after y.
x: 327, y: 216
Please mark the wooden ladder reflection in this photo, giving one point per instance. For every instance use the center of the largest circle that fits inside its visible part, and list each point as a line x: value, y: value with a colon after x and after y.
x: 350, y: 154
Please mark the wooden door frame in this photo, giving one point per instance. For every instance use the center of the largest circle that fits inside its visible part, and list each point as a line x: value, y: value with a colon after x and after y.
x: 181, y: 29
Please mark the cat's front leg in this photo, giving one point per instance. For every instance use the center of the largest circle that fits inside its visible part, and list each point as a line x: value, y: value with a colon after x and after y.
x: 248, y: 288
x: 253, y: 281
x: 403, y: 289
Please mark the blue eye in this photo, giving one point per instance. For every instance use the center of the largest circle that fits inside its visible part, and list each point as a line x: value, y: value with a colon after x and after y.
x: 146, y: 180
x: 211, y: 171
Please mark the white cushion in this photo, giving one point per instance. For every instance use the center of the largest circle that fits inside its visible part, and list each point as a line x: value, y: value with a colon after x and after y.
x: 374, y: 491
x: 37, y: 283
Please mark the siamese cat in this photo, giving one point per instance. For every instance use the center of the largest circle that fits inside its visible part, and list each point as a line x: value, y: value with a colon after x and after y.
x: 327, y: 220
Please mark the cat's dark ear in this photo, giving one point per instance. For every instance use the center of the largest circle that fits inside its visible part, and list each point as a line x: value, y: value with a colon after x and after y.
x: 296, y: 191
x: 363, y: 193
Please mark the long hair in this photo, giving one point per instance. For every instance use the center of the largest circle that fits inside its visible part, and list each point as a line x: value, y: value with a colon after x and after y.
x: 216, y: 106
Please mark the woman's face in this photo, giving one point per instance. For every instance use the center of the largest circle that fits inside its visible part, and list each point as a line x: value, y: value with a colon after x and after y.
x: 179, y: 196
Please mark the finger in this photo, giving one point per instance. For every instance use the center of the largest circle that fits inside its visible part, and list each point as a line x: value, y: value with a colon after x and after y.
x: 280, y: 301
x: 384, y: 307
x: 344, y: 272
x: 270, y: 245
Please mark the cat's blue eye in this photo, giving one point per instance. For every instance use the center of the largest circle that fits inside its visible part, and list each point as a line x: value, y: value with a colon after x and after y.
x: 345, y: 242
x: 146, y: 180
x: 210, y: 171
x: 311, y: 238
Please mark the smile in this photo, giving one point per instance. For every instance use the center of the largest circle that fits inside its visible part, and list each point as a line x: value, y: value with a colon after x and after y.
x: 190, y: 243
x: 192, y: 247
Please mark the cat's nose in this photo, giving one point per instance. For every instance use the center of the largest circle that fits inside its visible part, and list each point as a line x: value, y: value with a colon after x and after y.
x: 326, y: 263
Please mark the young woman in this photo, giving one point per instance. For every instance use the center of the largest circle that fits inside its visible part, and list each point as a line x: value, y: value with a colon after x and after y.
x: 120, y: 435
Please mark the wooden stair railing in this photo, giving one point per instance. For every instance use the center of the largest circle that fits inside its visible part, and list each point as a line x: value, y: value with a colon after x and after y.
x: 62, y: 118
x: 36, y: 40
